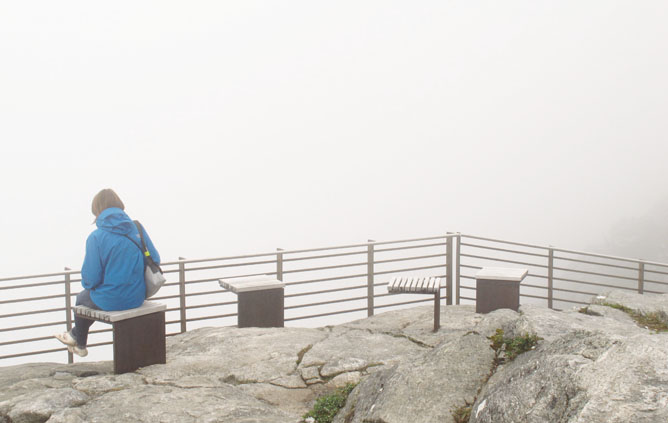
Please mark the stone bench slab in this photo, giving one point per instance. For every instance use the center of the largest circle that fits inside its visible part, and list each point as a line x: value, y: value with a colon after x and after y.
x: 115, y: 316
x: 251, y: 283
x: 501, y: 274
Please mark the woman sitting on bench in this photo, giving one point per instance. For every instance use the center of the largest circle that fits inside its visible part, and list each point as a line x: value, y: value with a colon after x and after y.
x: 112, y: 274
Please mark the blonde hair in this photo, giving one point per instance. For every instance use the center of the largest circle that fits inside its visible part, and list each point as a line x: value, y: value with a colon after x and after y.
x: 105, y: 199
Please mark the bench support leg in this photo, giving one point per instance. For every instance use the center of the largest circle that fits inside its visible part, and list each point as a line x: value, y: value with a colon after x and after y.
x: 495, y: 294
x: 437, y: 310
x: 139, y: 342
x: 261, y: 309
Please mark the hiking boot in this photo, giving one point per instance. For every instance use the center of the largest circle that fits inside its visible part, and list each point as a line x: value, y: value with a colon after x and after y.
x: 66, y: 338
x: 80, y: 351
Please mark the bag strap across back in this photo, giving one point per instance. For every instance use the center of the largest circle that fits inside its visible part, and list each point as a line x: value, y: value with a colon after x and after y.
x: 141, y: 235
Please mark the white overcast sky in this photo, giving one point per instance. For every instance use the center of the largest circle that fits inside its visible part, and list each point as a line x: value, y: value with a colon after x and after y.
x: 239, y: 127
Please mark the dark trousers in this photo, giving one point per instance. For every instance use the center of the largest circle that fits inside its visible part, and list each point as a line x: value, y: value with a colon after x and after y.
x: 81, y: 325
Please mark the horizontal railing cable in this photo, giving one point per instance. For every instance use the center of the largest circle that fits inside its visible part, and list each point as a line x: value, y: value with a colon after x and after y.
x: 225, y: 266
x: 26, y: 340
x: 193, y: 307
x: 569, y: 301
x: 409, y: 258
x: 197, y: 319
x: 629, y: 260
x: 334, y: 278
x: 333, y: 313
x: 39, y: 276
x: 655, y: 272
x: 596, y: 263
x: 20, y: 300
x: 646, y: 281
x: 585, y: 272
x: 574, y: 291
x: 196, y: 281
x: 409, y: 269
x: 587, y: 283
x: 32, y: 285
x: 526, y: 285
x: 486, y: 247
x: 320, y: 303
x: 31, y: 353
x: 532, y: 296
x: 325, y: 291
x: 409, y: 247
x: 500, y: 260
x: 323, y: 256
x: 520, y: 244
x: 29, y: 313
x: 39, y: 325
x: 314, y: 269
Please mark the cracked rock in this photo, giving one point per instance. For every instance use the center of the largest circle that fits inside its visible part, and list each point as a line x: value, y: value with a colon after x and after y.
x: 453, y: 371
x: 589, y: 368
x: 347, y: 364
x: 344, y: 379
x: 38, y: 408
x: 581, y: 377
x: 310, y: 374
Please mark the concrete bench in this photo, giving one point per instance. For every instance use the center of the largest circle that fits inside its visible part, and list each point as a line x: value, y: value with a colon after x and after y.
x: 419, y: 285
x: 260, y: 300
x: 139, y: 334
x: 498, y: 287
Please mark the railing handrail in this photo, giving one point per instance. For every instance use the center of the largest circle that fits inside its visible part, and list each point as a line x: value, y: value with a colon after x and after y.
x: 247, y: 256
x: 306, y: 250
x: 306, y: 277
x: 605, y: 256
x: 365, y: 244
x: 39, y: 275
x: 521, y: 244
x: 359, y: 245
x: 564, y: 250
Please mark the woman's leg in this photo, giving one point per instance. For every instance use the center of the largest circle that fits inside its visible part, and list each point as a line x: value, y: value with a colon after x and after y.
x: 81, y: 325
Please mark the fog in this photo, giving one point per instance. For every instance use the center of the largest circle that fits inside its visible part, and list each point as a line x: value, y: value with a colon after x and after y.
x: 238, y: 127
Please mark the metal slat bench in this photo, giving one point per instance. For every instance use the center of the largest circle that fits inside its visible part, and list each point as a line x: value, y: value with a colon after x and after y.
x: 139, y: 334
x: 419, y: 285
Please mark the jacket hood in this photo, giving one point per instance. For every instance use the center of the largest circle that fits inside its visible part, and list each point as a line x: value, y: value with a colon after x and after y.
x: 115, y: 220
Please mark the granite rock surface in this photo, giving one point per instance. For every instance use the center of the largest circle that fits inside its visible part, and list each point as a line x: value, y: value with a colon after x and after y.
x: 591, y: 365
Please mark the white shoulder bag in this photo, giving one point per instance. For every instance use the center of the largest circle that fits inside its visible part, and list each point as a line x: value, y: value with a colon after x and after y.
x: 153, y: 276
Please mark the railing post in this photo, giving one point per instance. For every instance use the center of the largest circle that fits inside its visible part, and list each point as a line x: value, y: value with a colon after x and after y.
x: 550, y: 276
x: 448, y: 270
x: 279, y: 265
x: 182, y: 293
x: 370, y: 280
x: 458, y: 267
x: 641, y: 277
x: 68, y: 309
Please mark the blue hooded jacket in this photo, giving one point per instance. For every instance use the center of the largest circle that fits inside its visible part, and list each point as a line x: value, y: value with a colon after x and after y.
x: 113, y: 269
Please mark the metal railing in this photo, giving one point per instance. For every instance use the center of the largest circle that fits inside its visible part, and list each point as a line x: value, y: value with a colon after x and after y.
x: 558, y: 278
x: 324, y: 286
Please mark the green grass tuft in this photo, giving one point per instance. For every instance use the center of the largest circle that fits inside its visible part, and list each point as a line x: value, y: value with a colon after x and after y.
x: 512, y: 347
x: 654, y: 321
x: 462, y: 414
x: 326, y: 407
